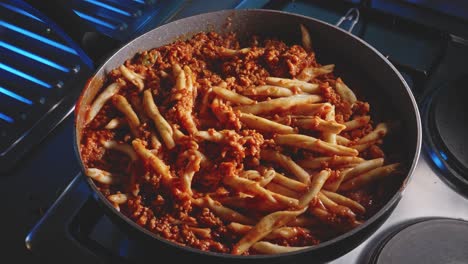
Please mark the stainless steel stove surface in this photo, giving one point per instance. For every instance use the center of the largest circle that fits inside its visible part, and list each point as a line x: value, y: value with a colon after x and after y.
x: 426, y: 41
x: 426, y: 196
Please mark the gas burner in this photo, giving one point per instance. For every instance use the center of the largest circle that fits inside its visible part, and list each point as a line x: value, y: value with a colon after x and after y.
x: 433, y: 240
x: 42, y: 72
x: 445, y: 133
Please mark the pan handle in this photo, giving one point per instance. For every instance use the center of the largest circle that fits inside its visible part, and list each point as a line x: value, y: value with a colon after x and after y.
x: 352, y: 16
x: 418, y: 76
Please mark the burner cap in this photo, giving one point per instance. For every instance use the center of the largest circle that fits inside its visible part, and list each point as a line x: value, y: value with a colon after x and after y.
x: 445, y: 131
x: 438, y: 240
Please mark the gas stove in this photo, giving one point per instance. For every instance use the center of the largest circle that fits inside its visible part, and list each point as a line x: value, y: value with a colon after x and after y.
x: 49, y: 49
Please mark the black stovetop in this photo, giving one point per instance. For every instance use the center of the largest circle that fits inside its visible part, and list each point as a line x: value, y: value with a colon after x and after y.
x: 429, y: 54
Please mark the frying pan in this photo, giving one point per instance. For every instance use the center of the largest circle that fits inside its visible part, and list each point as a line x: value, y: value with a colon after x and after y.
x: 358, y: 63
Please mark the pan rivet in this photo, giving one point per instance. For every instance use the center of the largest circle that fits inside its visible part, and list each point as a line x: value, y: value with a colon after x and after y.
x: 23, y: 116
x: 42, y: 100
x: 76, y: 69
x: 48, y: 30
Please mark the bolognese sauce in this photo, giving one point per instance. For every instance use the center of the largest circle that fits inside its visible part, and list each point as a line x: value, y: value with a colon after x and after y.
x: 252, y: 149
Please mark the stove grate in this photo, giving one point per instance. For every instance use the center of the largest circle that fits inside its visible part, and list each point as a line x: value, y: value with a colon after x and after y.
x: 41, y: 74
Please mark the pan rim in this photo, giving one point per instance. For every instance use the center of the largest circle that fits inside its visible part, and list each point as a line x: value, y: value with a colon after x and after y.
x: 393, y: 201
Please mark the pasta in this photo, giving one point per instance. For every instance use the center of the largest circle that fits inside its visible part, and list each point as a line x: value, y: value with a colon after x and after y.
x: 133, y: 77
x: 101, y: 100
x: 306, y: 40
x: 237, y: 149
x: 279, y: 104
x: 124, y: 106
x: 269, y: 90
x: 264, y: 124
x: 161, y: 124
x: 290, y: 84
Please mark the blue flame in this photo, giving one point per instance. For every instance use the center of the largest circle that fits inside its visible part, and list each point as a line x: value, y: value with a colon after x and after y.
x: 15, y: 96
x: 37, y: 37
x: 20, y: 11
x: 436, y: 160
x: 240, y: 4
x: 33, y: 56
x: 6, y: 118
x: 443, y: 155
x: 95, y: 20
x: 24, y: 75
x: 109, y: 7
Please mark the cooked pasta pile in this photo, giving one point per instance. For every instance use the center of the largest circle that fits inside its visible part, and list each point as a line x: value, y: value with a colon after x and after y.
x: 243, y: 150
